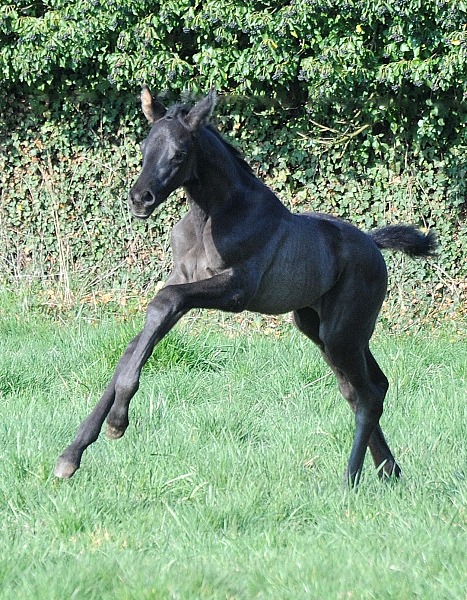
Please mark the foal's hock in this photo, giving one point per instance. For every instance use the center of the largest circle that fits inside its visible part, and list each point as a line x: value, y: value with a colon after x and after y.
x: 239, y: 248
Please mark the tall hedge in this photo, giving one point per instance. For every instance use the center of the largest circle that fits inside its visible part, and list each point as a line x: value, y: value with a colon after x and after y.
x: 357, y: 108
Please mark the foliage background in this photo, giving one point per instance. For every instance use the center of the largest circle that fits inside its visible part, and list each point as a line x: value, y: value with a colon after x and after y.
x: 356, y: 108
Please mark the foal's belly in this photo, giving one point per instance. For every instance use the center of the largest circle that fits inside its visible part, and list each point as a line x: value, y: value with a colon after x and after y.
x: 288, y: 290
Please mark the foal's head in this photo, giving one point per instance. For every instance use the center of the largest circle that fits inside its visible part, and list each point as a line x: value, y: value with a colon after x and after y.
x: 167, y: 151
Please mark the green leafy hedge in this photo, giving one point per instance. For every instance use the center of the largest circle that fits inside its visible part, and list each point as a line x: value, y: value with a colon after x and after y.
x: 390, y: 62
x: 357, y: 108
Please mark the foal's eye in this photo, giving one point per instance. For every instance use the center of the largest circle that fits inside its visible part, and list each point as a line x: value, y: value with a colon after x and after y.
x: 181, y: 154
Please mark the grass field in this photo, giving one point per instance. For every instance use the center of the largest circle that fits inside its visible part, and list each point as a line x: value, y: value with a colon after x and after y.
x: 228, y: 483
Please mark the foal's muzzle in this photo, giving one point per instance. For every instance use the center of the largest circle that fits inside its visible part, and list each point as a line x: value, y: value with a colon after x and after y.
x: 142, y: 204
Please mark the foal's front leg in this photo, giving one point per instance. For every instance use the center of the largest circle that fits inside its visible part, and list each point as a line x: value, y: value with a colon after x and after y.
x: 170, y: 304
x: 88, y: 432
x: 222, y: 291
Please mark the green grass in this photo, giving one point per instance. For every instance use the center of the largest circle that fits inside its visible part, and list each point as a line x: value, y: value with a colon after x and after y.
x: 228, y: 483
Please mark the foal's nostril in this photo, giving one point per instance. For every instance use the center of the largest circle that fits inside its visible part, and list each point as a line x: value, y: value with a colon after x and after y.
x: 147, y: 198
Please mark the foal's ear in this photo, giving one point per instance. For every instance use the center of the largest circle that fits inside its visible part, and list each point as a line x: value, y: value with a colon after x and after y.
x: 201, y: 112
x: 153, y: 109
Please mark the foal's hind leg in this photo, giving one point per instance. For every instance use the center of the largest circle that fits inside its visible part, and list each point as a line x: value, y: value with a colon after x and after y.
x: 382, y: 456
x: 308, y: 322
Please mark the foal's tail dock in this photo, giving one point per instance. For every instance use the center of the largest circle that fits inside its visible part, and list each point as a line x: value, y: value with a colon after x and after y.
x: 405, y: 238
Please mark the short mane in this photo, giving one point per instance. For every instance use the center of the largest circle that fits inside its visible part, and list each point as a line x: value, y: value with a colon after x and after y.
x: 234, y: 152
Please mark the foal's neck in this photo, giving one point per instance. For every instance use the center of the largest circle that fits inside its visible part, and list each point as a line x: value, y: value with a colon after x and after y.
x: 219, y: 176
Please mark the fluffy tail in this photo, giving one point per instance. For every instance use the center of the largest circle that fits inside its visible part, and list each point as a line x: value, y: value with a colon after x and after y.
x: 405, y: 238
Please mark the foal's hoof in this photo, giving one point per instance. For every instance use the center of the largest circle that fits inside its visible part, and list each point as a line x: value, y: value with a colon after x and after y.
x: 65, y: 469
x: 389, y: 471
x: 392, y: 473
x: 114, y: 433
